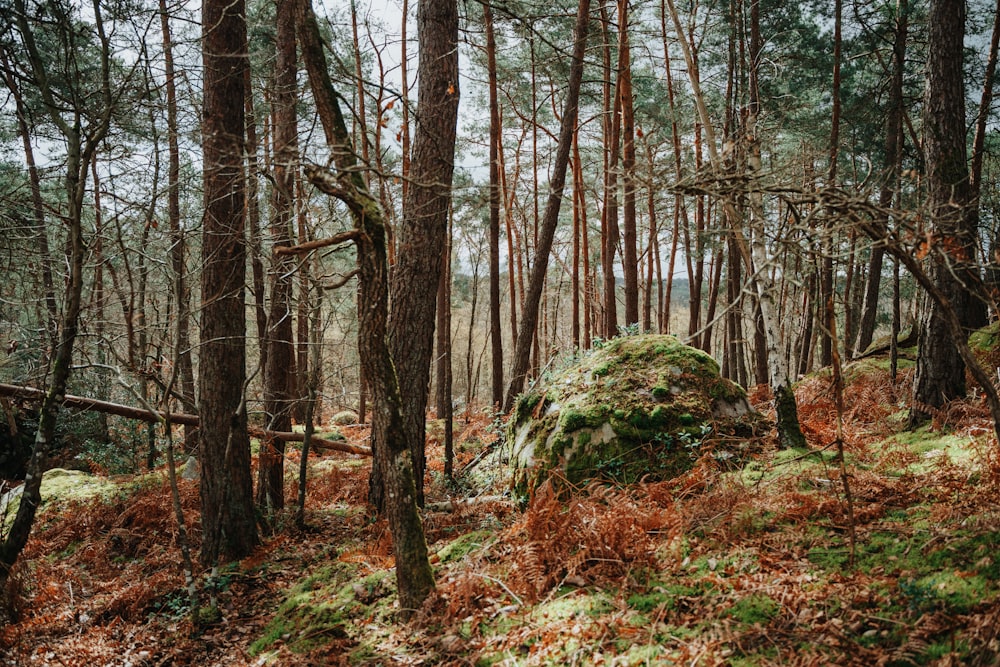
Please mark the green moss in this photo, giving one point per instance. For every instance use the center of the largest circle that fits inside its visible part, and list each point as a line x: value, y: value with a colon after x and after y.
x: 643, y: 386
x: 948, y: 591
x: 463, y: 545
x: 571, y: 419
x: 986, y: 339
x: 320, y: 608
x: 525, y: 405
x: 756, y: 609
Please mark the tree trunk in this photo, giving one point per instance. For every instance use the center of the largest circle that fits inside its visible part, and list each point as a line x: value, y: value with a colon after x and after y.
x: 940, y: 373
x: 891, y: 169
x: 826, y: 272
x: 754, y: 253
x: 630, y: 261
x: 414, y: 577
x: 183, y: 361
x: 444, y: 357
x: 228, y: 520
x: 80, y: 150
x: 279, y: 374
x: 529, y: 317
x: 424, y: 229
x: 609, y: 214
x: 496, y: 337
x: 979, y: 148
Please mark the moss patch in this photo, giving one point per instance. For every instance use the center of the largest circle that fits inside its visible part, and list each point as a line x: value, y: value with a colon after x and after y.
x: 325, y: 606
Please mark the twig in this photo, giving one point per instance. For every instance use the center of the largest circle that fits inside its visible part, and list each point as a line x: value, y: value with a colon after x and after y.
x: 502, y: 585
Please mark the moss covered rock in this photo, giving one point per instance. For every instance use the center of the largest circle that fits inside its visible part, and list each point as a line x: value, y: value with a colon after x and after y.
x: 635, y: 406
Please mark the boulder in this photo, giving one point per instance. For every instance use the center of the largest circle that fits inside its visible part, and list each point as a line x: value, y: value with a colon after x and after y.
x: 635, y: 406
x: 345, y: 418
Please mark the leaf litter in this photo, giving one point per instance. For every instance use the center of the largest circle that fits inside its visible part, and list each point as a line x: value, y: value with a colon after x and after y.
x: 716, y: 567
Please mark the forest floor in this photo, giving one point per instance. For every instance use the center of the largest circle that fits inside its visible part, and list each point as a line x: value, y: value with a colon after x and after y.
x: 764, y: 564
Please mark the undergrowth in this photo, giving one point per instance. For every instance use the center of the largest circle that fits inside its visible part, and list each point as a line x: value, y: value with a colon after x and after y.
x: 729, y: 566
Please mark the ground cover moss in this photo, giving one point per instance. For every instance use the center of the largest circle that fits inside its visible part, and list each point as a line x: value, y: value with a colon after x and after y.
x: 463, y: 545
x: 322, y: 607
x: 755, y: 609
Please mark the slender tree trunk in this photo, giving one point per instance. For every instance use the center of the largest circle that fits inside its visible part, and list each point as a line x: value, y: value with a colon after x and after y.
x: 653, y: 246
x: 715, y: 279
x: 557, y: 181
x: 588, y: 282
x: 424, y: 230
x: 826, y: 271
x: 892, y: 169
x: 978, y: 150
x: 444, y: 360
x: 312, y: 373
x: 253, y: 222
x: 279, y: 373
x: 182, y: 296
x: 630, y: 261
x: 496, y: 337
x: 575, y: 251
x: 609, y: 215
x: 414, y: 577
x: 80, y: 151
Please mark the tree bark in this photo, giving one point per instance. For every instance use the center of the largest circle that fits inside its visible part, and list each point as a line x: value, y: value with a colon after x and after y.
x: 609, y: 213
x: 279, y: 373
x: 891, y: 169
x: 184, y: 364
x: 424, y: 229
x: 496, y: 337
x: 826, y: 272
x: 630, y: 261
x: 940, y: 375
x: 228, y: 520
x: 414, y: 577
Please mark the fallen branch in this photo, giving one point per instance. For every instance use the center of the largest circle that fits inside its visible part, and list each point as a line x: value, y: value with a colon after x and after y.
x: 453, y: 504
x: 84, y: 403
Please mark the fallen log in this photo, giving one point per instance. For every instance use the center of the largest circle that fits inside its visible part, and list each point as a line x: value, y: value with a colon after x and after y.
x: 315, y: 441
x: 84, y: 403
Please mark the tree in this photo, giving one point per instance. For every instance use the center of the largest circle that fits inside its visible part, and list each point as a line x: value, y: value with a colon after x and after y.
x: 529, y: 317
x: 185, y: 367
x: 279, y: 373
x: 496, y: 340
x: 891, y: 170
x: 228, y: 520
x: 940, y: 375
x: 414, y: 577
x: 753, y: 250
x: 82, y: 120
x: 422, y: 235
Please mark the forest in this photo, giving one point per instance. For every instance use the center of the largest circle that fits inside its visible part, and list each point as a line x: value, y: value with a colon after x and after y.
x: 620, y: 332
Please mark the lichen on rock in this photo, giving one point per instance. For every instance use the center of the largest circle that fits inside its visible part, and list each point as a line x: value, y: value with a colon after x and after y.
x: 634, y: 406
